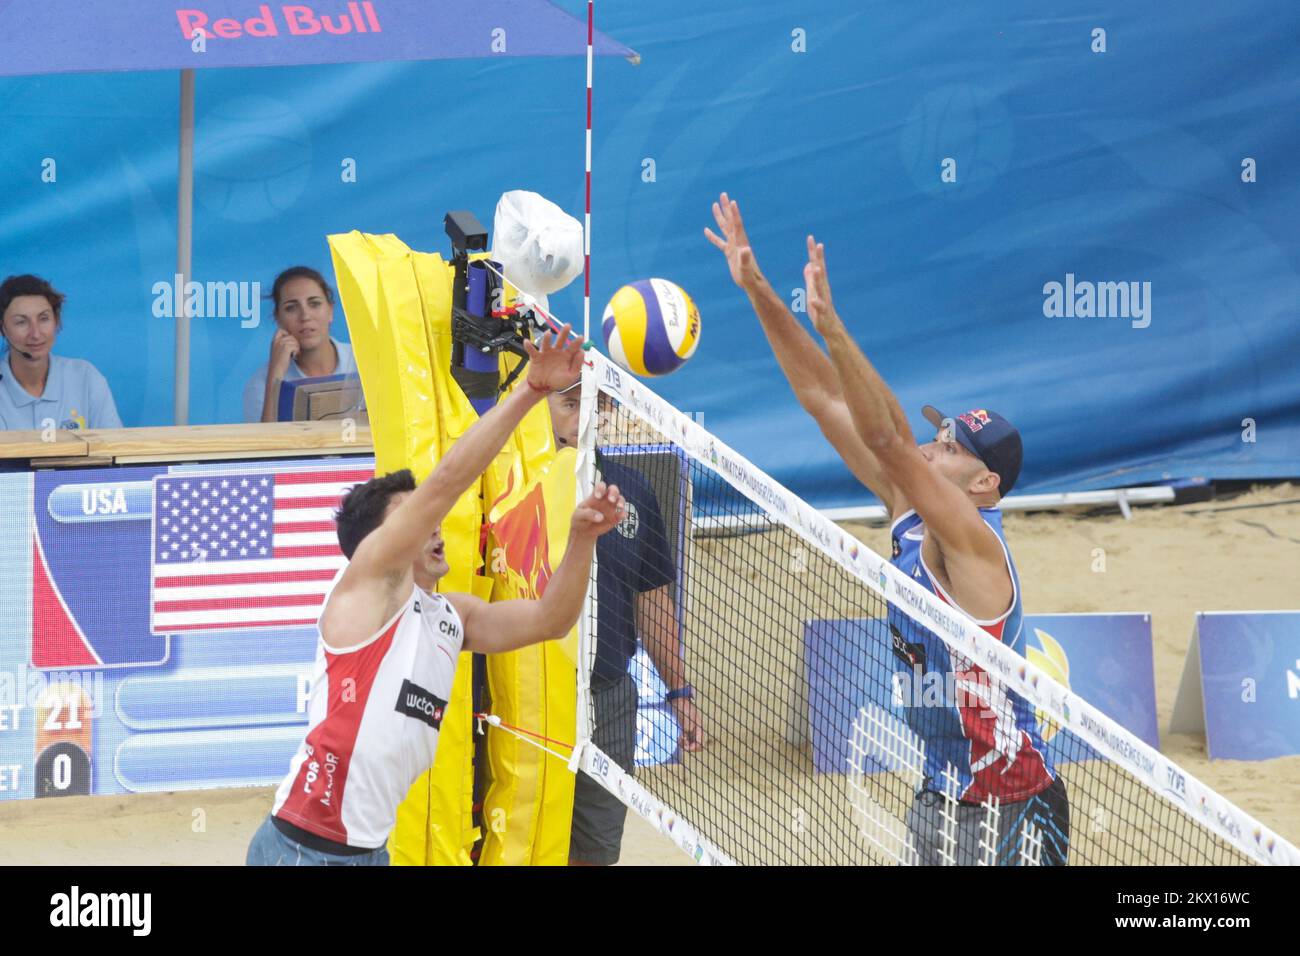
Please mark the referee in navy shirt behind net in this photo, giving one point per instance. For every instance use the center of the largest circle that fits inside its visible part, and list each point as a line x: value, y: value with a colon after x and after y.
x: 635, y: 577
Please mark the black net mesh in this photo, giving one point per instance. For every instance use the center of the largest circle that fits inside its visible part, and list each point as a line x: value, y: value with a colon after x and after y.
x: 837, y: 730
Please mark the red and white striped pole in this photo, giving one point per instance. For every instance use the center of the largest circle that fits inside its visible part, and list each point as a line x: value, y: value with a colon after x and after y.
x: 586, y: 232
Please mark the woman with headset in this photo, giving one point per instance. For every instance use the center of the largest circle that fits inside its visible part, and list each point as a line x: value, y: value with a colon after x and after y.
x: 38, y: 388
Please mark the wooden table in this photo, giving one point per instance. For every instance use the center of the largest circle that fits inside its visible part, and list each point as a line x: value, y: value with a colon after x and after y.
x: 34, y: 445
x: 134, y: 446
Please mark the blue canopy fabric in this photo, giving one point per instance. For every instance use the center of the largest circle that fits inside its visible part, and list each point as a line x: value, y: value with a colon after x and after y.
x: 72, y: 36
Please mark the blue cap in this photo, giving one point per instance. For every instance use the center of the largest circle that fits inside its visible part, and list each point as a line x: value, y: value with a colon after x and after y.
x: 989, y: 437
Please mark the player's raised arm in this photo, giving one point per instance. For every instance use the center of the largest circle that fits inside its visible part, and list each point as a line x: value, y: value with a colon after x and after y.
x: 508, y: 625
x: 391, y: 548
x: 821, y: 307
x: 805, y: 365
x: 946, y: 509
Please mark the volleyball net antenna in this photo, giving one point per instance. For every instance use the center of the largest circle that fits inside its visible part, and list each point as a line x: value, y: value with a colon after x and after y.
x: 831, y: 689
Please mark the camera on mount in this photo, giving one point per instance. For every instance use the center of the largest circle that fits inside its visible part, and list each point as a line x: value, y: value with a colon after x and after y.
x: 481, y: 326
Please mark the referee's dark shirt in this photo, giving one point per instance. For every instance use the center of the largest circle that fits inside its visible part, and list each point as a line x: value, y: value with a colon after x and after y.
x: 631, y: 559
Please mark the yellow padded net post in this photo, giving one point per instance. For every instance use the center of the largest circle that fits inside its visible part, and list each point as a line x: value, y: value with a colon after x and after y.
x: 397, y: 303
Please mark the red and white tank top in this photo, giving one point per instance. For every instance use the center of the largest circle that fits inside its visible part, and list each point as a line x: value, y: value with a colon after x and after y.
x: 372, y: 728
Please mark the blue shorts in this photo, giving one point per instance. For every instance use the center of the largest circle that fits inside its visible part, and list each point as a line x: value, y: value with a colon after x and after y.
x: 270, y: 847
x: 1048, y: 811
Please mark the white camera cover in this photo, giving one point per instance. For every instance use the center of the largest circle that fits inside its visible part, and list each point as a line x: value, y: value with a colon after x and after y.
x: 538, y: 244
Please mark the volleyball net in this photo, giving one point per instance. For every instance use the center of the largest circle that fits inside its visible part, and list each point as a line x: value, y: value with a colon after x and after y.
x: 849, y: 715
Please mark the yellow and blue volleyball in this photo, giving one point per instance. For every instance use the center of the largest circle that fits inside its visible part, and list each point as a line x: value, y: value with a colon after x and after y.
x: 651, y: 327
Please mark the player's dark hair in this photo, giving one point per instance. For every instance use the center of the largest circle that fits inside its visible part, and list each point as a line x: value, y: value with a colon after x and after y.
x: 14, y: 286
x: 363, y: 508
x: 300, y: 272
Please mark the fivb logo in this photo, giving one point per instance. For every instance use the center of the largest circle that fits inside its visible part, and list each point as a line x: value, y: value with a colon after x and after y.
x: 1102, y: 300
x: 75, y: 909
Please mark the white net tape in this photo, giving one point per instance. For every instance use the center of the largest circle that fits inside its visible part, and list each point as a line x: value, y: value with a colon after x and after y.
x: 757, y: 571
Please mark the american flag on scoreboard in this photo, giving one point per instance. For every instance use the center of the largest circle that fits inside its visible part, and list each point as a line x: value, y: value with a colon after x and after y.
x: 244, y: 550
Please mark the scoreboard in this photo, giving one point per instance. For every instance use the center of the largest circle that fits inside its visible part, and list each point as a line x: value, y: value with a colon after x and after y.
x: 157, y: 624
x: 122, y: 670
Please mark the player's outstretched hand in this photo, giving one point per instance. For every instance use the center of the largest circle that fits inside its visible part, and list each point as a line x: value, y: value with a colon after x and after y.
x: 601, y: 512
x: 556, y: 362
x: 734, y: 243
x: 820, y: 308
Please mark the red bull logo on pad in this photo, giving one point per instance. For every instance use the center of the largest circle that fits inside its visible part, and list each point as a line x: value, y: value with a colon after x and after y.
x: 522, y: 535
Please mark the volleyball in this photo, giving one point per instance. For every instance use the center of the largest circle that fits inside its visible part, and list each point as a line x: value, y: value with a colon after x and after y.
x: 651, y: 327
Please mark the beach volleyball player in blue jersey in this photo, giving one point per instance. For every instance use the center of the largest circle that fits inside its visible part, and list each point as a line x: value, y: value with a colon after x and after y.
x: 942, y: 498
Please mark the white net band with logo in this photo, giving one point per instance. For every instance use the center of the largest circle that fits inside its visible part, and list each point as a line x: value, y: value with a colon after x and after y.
x: 849, y: 715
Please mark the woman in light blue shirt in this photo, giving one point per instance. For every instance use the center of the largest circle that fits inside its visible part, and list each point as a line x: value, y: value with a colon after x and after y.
x: 39, y: 389
x: 302, y: 346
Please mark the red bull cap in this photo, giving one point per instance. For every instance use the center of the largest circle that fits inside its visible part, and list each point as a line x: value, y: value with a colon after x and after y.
x: 989, y: 437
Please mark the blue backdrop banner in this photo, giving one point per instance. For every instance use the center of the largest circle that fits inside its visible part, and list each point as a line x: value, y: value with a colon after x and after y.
x: 1084, y: 222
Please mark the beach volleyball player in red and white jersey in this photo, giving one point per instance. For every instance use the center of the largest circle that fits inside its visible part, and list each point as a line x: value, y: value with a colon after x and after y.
x: 389, y: 644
